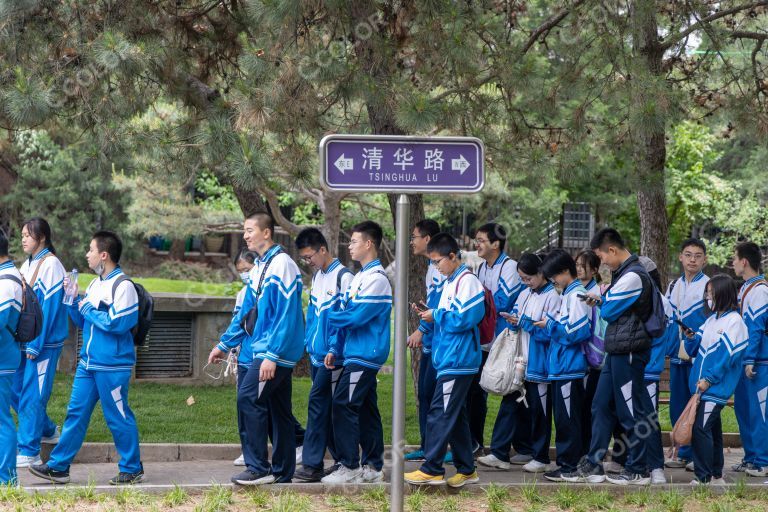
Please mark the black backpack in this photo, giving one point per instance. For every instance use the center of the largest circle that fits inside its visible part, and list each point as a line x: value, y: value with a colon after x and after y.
x: 31, y: 317
x: 140, y: 331
x: 655, y: 320
x: 248, y: 322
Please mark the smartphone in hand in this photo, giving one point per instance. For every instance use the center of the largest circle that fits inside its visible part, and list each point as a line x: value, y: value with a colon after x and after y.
x: 419, y: 307
x: 687, y: 330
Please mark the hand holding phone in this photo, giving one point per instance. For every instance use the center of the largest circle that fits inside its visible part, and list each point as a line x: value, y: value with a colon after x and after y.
x: 686, y: 330
x: 419, y: 307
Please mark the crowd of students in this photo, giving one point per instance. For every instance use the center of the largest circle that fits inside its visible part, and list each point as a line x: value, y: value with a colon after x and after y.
x: 594, y: 354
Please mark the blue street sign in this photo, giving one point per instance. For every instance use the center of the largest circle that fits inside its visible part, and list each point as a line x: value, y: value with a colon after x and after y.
x: 413, y: 165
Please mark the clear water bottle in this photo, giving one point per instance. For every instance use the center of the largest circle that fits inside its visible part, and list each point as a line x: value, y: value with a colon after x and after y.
x: 71, y: 291
x: 519, y: 371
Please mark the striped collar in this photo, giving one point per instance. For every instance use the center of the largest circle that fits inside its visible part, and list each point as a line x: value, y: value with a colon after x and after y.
x: 335, y: 263
x: 457, y: 272
x: 112, y: 274
x: 697, y: 277
x: 271, y: 253
x: 544, y: 289
x: 723, y: 315
x: 754, y: 279
x: 8, y: 264
x: 500, y: 259
x: 40, y: 255
x: 575, y: 284
x: 372, y: 264
x: 591, y: 284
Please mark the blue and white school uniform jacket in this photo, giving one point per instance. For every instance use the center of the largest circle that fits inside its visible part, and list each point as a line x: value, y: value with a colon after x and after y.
x: 10, y: 308
x: 621, y: 296
x: 106, y: 322
x: 504, y: 283
x: 364, y: 319
x: 434, y: 282
x: 279, y: 331
x: 754, y: 310
x: 245, y: 355
x: 50, y: 291
x: 718, y: 349
x: 456, y: 344
x: 661, y: 346
x: 324, y: 297
x: 532, y: 306
x: 567, y: 332
x: 687, y: 300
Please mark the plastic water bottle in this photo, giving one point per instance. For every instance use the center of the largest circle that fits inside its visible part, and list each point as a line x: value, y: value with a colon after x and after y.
x: 71, y: 291
x: 519, y: 371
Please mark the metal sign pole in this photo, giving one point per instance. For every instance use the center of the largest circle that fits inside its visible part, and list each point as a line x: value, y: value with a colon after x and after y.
x: 401, y: 334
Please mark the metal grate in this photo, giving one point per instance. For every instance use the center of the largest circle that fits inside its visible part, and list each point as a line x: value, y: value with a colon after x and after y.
x: 168, y: 351
x: 578, y: 225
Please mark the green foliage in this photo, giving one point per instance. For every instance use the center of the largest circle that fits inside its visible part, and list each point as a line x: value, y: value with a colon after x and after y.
x: 74, y: 193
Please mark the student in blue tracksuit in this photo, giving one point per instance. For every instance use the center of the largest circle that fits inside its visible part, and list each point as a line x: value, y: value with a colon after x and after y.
x: 10, y: 355
x: 498, y: 273
x: 329, y: 282
x: 529, y: 422
x: 566, y: 364
x: 422, y: 335
x: 276, y: 340
x: 718, y: 349
x: 456, y: 357
x: 106, y: 315
x: 752, y: 390
x: 685, y: 293
x: 621, y: 394
x: 587, y: 270
x: 363, y: 323
x: 38, y: 368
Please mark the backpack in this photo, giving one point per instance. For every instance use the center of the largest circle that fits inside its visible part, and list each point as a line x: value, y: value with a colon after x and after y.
x: 31, y: 317
x: 140, y: 331
x: 504, y: 371
x: 594, y: 348
x: 344, y: 270
x: 487, y: 325
x: 656, y: 321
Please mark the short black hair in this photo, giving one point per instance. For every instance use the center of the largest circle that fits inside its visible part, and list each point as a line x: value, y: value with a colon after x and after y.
x: 371, y: 230
x: 750, y: 251
x: 427, y: 227
x: 529, y: 264
x: 3, y: 244
x: 443, y: 244
x: 264, y: 220
x: 607, y: 236
x: 693, y: 242
x: 109, y: 242
x: 311, y: 237
x: 590, y: 260
x: 724, y: 293
x: 38, y: 228
x: 495, y: 232
x: 557, y: 261
x: 246, y: 255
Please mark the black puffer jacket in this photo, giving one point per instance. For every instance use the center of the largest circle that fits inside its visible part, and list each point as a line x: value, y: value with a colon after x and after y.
x: 627, y: 334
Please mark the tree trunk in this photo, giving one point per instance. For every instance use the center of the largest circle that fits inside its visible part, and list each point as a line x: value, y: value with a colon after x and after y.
x: 177, y: 249
x: 331, y: 228
x: 250, y: 201
x: 649, y: 104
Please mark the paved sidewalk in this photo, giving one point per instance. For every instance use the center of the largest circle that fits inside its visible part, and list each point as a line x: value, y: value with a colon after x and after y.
x: 198, y: 475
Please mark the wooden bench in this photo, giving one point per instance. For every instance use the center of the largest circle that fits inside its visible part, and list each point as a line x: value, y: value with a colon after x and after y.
x: 665, y: 388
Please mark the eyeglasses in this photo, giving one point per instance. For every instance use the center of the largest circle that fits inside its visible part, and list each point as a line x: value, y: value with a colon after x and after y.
x: 308, y: 258
x: 480, y: 241
x: 437, y: 262
x: 693, y: 256
x: 355, y: 242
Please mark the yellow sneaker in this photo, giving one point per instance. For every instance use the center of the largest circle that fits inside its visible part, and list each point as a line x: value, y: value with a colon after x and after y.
x: 421, y: 478
x: 460, y: 479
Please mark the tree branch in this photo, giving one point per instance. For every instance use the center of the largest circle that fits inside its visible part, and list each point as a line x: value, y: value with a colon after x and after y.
x: 672, y: 39
x: 274, y: 206
x: 548, y: 25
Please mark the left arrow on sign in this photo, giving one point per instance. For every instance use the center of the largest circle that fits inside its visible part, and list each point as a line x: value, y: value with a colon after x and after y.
x: 343, y: 164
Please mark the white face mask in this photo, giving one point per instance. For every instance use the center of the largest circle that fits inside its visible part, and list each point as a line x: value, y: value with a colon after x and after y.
x: 99, y: 269
x: 245, y: 277
x: 711, y: 304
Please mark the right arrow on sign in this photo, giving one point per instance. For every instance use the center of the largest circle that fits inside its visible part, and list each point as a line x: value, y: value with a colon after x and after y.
x: 459, y: 164
x: 343, y: 164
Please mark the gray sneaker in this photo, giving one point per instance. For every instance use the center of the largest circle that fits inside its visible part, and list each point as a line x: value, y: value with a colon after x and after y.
x: 519, y: 459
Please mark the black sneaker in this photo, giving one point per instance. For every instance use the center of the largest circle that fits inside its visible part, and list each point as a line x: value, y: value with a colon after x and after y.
x: 124, y: 478
x: 741, y: 467
x: 248, y: 477
x: 586, y: 472
x: 327, y: 471
x: 306, y: 474
x: 477, y: 450
x: 46, y: 473
x: 554, y: 476
x: 629, y: 478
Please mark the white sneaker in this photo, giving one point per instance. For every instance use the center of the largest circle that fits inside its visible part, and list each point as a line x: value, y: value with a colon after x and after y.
x: 658, y: 477
x: 492, y: 461
x: 371, y: 476
x: 53, y: 439
x: 535, y: 467
x: 689, y: 467
x: 612, y: 467
x: 696, y: 483
x: 755, y: 471
x: 675, y: 463
x: 718, y: 481
x: 299, y: 451
x: 343, y: 475
x: 240, y: 461
x: 24, y: 461
x: 520, y: 459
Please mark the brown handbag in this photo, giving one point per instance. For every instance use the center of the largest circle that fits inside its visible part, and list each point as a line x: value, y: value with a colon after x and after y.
x: 682, y: 432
